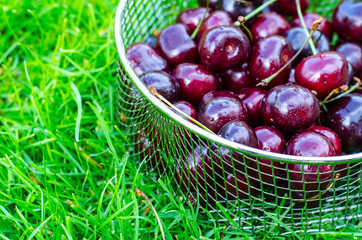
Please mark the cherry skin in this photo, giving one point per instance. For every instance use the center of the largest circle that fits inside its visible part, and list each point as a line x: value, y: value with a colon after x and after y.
x: 234, y: 79
x: 347, y: 20
x: 215, y: 19
x: 269, y: 24
x: 176, y: 45
x: 289, y: 7
x: 238, y: 8
x: 192, y: 17
x: 220, y: 110
x: 182, y: 134
x: 290, y: 108
x: 309, y: 19
x: 310, y: 144
x: 143, y: 58
x: 252, y: 98
x: 291, y: 79
x: 214, y: 94
x: 322, y: 73
x: 331, y: 135
x: 239, y: 132
x: 353, y: 54
x: 344, y: 117
x: 270, y: 140
x: 195, y: 81
x: 269, y: 55
x: 224, y: 47
x: 297, y: 38
x: 203, y: 3
x: 238, y: 186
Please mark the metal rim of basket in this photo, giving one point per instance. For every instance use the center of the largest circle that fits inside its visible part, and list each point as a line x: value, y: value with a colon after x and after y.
x: 205, y: 134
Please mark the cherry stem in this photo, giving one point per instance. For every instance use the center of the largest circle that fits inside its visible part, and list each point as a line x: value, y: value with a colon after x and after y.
x: 337, y: 90
x: 194, y: 34
x: 256, y: 11
x: 141, y: 194
x: 300, y: 15
x: 267, y: 80
x: 154, y: 92
x: 241, y: 21
x: 351, y: 89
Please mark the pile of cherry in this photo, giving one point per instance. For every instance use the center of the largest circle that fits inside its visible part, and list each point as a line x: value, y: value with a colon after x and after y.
x: 215, y: 73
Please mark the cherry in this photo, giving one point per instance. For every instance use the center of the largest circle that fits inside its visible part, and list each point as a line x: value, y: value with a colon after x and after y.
x: 270, y: 140
x: 331, y: 135
x: 238, y: 8
x: 297, y: 38
x: 215, y: 19
x: 291, y: 79
x: 309, y: 18
x: 203, y: 3
x: 234, y: 79
x: 310, y: 178
x: 143, y: 58
x: 289, y: 7
x: 192, y: 17
x: 224, y: 47
x: 344, y: 117
x: 214, y: 94
x: 347, y: 20
x: 290, y: 108
x: 237, y: 186
x: 269, y: 55
x: 176, y: 46
x: 165, y: 84
x: 239, y: 132
x: 322, y: 72
x: 220, y: 110
x: 252, y: 98
x: 195, y: 81
x: 269, y: 24
x: 150, y: 149
x: 353, y: 54
x: 190, y: 111
x: 351, y: 73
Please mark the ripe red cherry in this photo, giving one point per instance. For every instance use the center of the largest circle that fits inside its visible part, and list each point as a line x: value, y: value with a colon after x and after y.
x: 290, y: 108
x: 331, y: 135
x: 269, y: 55
x: 347, y: 20
x: 252, y: 99
x: 215, y: 19
x: 269, y: 24
x: 309, y: 19
x: 238, y: 8
x: 224, y: 47
x: 322, y: 72
x: 192, y: 17
x: 214, y: 94
x: 238, y: 186
x: 353, y: 54
x: 143, y: 58
x: 234, y: 79
x: 289, y: 7
x: 176, y: 45
x: 344, y: 117
x: 270, y: 140
x: 195, y: 81
x: 220, y: 110
x: 189, y: 110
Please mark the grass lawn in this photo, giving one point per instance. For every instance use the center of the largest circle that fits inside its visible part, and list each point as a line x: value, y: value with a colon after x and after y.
x: 64, y: 170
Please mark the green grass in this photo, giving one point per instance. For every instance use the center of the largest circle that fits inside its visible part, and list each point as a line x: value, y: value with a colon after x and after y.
x: 64, y: 168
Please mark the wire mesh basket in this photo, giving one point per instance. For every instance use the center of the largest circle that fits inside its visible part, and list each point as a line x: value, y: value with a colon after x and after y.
x: 255, y: 198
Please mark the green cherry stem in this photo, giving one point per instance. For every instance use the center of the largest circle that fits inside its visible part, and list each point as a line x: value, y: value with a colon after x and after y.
x: 351, y: 89
x: 256, y: 11
x: 194, y: 34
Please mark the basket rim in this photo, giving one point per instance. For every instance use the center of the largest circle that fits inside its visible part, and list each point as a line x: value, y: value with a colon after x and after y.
x: 212, y: 137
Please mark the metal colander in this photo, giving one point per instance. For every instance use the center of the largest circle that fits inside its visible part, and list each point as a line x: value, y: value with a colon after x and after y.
x: 161, y: 139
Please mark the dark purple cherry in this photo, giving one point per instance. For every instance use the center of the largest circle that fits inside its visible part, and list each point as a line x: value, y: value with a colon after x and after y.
x: 143, y: 58
x: 151, y: 40
x: 331, y: 135
x: 353, y: 54
x: 322, y: 72
x: 192, y: 17
x: 203, y: 3
x: 238, y: 8
x: 234, y: 79
x: 269, y: 24
x: 220, y: 110
x: 182, y: 134
x: 176, y: 45
x: 224, y: 47
x: 270, y: 140
x: 290, y: 108
x: 237, y: 186
x: 351, y: 74
x: 215, y: 19
x: 309, y: 19
x: 310, y: 178
x: 164, y: 83
x: 252, y: 99
x: 195, y: 80
x: 297, y: 38
x: 347, y: 20
x: 239, y: 132
x: 214, y: 94
x: 289, y: 7
x: 344, y: 117
x: 269, y: 55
